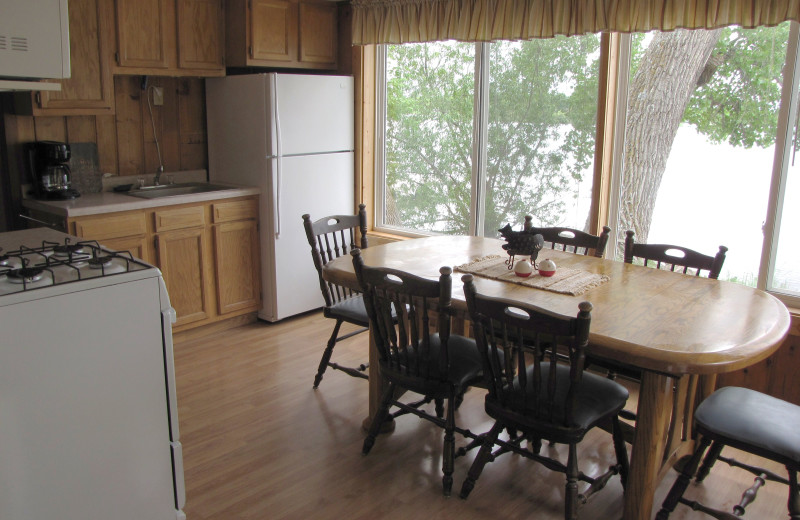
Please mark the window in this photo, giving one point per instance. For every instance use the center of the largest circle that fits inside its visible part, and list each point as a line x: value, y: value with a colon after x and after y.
x: 477, y: 136
x: 701, y: 127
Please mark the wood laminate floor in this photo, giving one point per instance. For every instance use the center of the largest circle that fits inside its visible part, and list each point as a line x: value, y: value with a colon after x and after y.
x: 260, y: 443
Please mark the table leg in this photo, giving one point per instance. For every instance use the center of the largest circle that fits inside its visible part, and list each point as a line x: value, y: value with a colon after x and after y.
x: 653, y: 417
x: 376, y: 387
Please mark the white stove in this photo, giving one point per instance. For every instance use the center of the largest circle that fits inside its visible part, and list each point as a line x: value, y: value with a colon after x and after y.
x: 88, y: 405
x: 42, y: 264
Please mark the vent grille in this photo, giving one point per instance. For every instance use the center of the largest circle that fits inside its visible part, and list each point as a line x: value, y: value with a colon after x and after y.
x: 3, y: 44
x: 19, y: 44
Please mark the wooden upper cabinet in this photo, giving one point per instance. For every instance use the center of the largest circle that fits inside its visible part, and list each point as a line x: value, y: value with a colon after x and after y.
x: 273, y: 31
x: 318, y: 33
x: 144, y: 37
x: 170, y: 37
x: 201, y: 34
x: 281, y: 33
x: 90, y: 88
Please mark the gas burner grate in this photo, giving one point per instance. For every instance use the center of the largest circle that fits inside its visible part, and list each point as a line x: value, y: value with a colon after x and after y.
x: 56, y: 263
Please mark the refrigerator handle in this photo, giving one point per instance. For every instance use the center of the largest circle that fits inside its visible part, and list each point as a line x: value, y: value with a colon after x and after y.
x: 276, y: 181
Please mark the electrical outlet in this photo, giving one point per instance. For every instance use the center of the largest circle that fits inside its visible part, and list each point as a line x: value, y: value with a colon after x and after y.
x: 158, y: 96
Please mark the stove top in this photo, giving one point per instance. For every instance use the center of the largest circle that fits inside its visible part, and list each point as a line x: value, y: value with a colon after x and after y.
x: 48, y: 263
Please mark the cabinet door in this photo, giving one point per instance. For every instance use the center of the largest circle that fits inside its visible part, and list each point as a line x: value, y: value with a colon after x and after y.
x: 318, y: 33
x: 182, y: 257
x: 273, y: 30
x: 145, y: 33
x: 200, y: 34
x: 137, y: 246
x: 90, y: 88
x: 236, y: 266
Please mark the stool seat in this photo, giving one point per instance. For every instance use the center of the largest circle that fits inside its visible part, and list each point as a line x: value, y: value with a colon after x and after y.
x: 752, y: 422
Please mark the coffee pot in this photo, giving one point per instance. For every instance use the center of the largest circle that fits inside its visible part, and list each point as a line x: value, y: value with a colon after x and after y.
x: 50, y: 170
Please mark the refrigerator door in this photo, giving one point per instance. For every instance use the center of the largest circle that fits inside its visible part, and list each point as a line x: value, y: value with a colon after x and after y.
x: 314, y: 114
x: 320, y: 185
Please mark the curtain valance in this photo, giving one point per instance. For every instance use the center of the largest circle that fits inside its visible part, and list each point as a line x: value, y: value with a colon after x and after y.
x: 403, y: 21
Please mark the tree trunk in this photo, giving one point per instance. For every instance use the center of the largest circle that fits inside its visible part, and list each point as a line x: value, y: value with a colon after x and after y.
x: 657, y: 98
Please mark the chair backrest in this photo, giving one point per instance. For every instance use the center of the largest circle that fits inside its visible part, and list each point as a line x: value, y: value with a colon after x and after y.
x: 401, y: 306
x: 522, y: 377
x: 674, y: 258
x: 571, y: 240
x: 332, y: 237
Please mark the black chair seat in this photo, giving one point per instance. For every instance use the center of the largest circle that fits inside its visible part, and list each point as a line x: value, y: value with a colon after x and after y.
x: 753, y: 422
x: 597, y: 398
x: 351, y: 310
x: 464, y: 369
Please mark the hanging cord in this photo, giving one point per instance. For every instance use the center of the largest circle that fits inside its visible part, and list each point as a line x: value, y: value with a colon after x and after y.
x: 155, y: 137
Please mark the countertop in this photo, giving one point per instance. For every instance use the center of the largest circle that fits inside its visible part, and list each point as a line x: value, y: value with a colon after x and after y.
x: 110, y: 202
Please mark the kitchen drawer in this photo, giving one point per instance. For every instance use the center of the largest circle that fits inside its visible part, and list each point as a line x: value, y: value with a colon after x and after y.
x: 179, y: 218
x: 111, y: 226
x: 235, y: 210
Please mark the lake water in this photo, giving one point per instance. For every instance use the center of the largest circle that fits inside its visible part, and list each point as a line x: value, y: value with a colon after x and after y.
x: 716, y: 194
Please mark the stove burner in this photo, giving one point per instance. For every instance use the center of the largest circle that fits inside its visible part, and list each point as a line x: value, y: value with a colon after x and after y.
x: 99, y: 262
x: 25, y: 275
x: 67, y: 249
x: 4, y: 261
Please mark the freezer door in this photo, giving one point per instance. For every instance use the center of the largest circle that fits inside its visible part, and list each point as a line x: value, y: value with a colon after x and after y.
x: 314, y: 113
x: 320, y: 185
x: 240, y: 129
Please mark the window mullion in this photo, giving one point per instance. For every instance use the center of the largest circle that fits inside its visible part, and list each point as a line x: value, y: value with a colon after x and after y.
x: 617, y: 159
x: 480, y: 120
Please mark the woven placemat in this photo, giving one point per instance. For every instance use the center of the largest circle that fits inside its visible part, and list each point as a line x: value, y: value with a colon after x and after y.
x: 565, y: 281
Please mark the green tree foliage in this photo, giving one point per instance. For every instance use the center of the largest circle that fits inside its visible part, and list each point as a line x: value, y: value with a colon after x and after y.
x: 541, y: 121
x: 739, y: 93
x: 541, y: 127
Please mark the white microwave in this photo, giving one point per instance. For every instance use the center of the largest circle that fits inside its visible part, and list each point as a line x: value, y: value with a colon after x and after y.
x: 34, y: 43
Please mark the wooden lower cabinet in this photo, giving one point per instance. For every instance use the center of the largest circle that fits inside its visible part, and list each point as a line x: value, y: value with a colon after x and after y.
x: 208, y: 253
x: 236, y: 265
x: 136, y: 245
x: 183, y: 261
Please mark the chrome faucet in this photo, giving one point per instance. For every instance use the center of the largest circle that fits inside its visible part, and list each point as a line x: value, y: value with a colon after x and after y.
x: 159, y: 171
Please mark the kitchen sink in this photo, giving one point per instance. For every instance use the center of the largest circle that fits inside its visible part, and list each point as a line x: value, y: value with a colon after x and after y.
x: 171, y: 190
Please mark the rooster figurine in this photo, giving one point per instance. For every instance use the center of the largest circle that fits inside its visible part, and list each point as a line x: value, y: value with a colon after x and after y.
x: 523, y: 242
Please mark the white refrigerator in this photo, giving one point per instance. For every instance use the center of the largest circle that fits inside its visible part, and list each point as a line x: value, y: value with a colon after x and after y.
x: 291, y: 135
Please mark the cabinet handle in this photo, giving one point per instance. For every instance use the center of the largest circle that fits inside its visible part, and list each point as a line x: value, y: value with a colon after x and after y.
x: 39, y: 99
x: 155, y: 243
x: 116, y: 57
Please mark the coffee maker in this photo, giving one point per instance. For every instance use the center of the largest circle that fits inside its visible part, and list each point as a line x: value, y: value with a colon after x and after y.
x: 50, y: 172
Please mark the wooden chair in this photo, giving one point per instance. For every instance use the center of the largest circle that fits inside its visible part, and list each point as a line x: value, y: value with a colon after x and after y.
x: 674, y: 258
x: 571, y: 240
x: 329, y: 238
x: 750, y: 421
x: 668, y: 257
x: 532, y: 393
x: 437, y: 365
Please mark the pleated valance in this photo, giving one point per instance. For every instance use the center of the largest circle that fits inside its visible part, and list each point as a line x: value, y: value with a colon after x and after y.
x: 404, y: 21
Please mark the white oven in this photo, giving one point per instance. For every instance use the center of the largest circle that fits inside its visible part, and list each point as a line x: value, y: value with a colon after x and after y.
x: 88, y: 410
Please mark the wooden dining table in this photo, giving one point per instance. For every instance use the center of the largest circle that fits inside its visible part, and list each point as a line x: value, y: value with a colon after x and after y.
x: 671, y: 326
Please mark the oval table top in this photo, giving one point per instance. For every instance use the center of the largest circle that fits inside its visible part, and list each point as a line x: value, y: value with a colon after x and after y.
x: 652, y: 319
